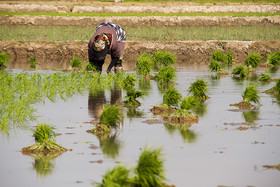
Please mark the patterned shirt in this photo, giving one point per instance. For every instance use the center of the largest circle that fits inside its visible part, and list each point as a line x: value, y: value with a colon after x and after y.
x: 120, y: 32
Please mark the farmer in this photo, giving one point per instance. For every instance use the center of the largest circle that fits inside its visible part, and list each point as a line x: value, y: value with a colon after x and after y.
x: 109, y: 38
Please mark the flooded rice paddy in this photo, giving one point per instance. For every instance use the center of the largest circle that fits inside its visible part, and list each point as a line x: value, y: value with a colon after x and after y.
x: 213, y: 152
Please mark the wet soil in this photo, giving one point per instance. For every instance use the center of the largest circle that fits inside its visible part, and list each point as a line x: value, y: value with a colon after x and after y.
x: 195, y: 53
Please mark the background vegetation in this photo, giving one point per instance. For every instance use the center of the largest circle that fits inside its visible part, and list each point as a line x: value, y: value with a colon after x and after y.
x: 149, y: 33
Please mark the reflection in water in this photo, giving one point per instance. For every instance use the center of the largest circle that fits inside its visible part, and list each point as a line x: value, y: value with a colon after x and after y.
x: 97, y: 100
x: 132, y: 112
x: 200, y: 109
x: 110, y: 146
x: 272, y: 70
x: 144, y: 84
x: 188, y: 135
x: 44, y: 163
x: 251, y: 116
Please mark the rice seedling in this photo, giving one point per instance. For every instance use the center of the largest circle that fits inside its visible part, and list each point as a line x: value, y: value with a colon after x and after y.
x: 199, y: 89
x: 110, y: 116
x: 172, y: 97
x: 118, y: 176
x: 4, y: 58
x: 189, y: 103
x: 249, y: 95
x: 144, y: 64
x: 131, y: 97
x: 264, y: 77
x: 219, y: 56
x: 129, y: 81
x: 76, y: 62
x: 274, y: 90
x: 150, y: 169
x: 166, y: 74
x: 253, y: 60
x: 215, y: 66
x: 229, y: 56
x: 32, y: 62
x: 44, y: 141
x: 90, y: 67
x: 240, y: 70
x: 274, y: 58
x: 163, y: 58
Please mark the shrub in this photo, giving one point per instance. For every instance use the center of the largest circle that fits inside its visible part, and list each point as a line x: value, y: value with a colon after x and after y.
x: 199, y: 89
x: 274, y: 58
x: 253, y: 60
x: 166, y: 74
x: 240, y: 70
x: 163, y: 58
x: 110, y: 116
x: 4, y: 57
x: 150, y: 168
x: 144, y: 64
x: 172, y: 97
x: 251, y: 94
x: 76, y: 62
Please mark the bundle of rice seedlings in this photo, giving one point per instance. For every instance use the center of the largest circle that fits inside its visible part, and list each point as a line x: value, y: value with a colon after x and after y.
x: 4, y: 58
x: 253, y: 60
x: 76, y: 62
x: 110, y: 116
x: 215, y: 66
x: 131, y: 97
x: 264, y: 77
x: 182, y: 116
x: 128, y: 81
x: 219, y: 56
x: 189, y: 103
x: 150, y: 169
x: 274, y: 90
x: 199, y: 89
x: 44, y: 141
x: 240, y: 70
x: 163, y: 58
x: 172, y: 97
x: 249, y: 95
x: 32, y: 62
x: 144, y: 64
x: 166, y: 74
x: 118, y: 176
x: 274, y: 58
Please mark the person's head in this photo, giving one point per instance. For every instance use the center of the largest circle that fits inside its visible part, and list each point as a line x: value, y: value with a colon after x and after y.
x: 100, y: 47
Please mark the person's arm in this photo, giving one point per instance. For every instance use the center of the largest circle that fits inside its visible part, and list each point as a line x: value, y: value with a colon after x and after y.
x: 113, y: 63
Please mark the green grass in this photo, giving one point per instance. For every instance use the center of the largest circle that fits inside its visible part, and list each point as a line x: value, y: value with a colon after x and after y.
x: 143, y: 33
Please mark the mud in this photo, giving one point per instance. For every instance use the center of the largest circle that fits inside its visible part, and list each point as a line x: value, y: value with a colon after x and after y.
x: 57, y: 55
x: 140, y: 8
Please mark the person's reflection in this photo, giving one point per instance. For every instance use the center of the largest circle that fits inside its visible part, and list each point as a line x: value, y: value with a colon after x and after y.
x: 97, y: 99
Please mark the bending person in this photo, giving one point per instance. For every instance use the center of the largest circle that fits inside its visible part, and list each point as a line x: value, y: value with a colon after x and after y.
x: 109, y: 38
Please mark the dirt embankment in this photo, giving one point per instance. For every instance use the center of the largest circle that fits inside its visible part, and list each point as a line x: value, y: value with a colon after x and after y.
x: 57, y: 55
x: 141, y: 21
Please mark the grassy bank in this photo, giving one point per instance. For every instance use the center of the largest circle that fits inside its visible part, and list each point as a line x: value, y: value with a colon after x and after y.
x: 153, y: 33
x: 106, y: 14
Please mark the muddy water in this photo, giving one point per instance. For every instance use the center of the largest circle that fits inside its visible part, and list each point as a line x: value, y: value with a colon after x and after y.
x: 210, y: 153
